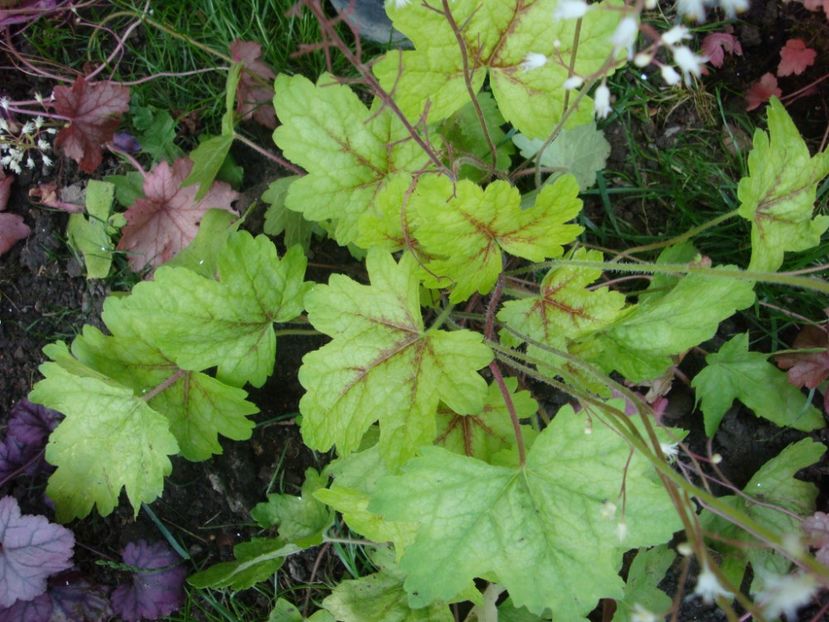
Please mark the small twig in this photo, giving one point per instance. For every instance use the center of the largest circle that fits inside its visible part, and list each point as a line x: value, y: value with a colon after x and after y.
x: 271, y: 156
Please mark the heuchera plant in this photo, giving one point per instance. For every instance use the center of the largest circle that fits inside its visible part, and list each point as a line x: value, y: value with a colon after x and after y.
x: 474, y: 271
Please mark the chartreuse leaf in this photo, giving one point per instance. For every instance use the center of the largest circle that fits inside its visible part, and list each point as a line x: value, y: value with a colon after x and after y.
x: 779, y: 194
x: 581, y: 150
x: 544, y: 531
x: 231, y: 319
x: 355, y: 480
x: 735, y: 373
x: 210, y: 155
x: 198, y: 407
x: 279, y: 219
x: 497, y: 35
x: 285, y: 611
x: 202, y: 253
x: 641, y: 593
x: 489, y: 432
x: 347, y: 150
x: 464, y: 133
x: 465, y: 228
x: 380, y: 597
x: 92, y: 235
x: 641, y: 342
x: 774, y: 484
x: 110, y: 439
x: 256, y: 560
x: 382, y: 364
x: 301, y: 520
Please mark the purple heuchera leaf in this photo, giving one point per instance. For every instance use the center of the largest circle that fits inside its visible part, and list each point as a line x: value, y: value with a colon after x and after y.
x: 28, y: 430
x: 37, y: 610
x: 74, y: 599
x: 154, y: 593
x: 32, y: 550
x: 126, y: 142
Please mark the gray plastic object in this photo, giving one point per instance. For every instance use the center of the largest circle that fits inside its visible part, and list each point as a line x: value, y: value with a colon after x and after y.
x: 368, y: 17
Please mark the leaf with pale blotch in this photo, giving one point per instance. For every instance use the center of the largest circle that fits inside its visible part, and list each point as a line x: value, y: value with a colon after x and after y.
x: 582, y: 151
x: 646, y: 571
x: 254, y: 561
x: 231, y: 320
x: 544, y: 531
x: 301, y: 520
x: 778, y: 195
x: 198, y: 407
x: 564, y: 308
x: 382, y: 364
x: 347, y: 150
x: 110, y: 439
x: 465, y: 229
x: 641, y: 342
x: 497, y: 35
x: 487, y: 433
x: 380, y: 597
x: 782, y: 495
x: 736, y: 373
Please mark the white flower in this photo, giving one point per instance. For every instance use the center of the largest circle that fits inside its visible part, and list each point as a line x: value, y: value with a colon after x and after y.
x: 43, y: 145
x: 38, y: 98
x: 601, y: 101
x: 709, y: 587
x: 533, y: 60
x: 642, y: 59
x: 732, y: 7
x: 30, y: 164
x: 573, y: 82
x: 39, y: 122
x: 570, y: 9
x: 4, y: 103
x: 625, y: 35
x: 693, y: 9
x: 675, y: 35
x: 5, y: 161
x: 47, y: 161
x: 28, y: 127
x: 640, y: 614
x: 670, y: 450
x: 688, y: 62
x: 4, y: 125
x: 622, y: 531
x: 669, y: 74
x: 51, y: 130
x: 15, y: 166
x: 786, y: 594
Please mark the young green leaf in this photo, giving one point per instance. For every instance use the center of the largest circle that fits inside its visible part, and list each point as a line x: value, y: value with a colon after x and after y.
x: 582, y: 151
x: 92, y: 235
x: 465, y: 228
x: 551, y: 542
x: 774, y: 484
x: 302, y: 520
x: 497, y: 37
x: 779, y: 194
x: 735, y: 373
x: 641, y: 591
x: 279, y: 219
x: 347, y: 150
x: 256, y: 560
x: 284, y: 611
x: 381, y: 349
x: 157, y: 133
x: 109, y: 439
x: 641, y: 342
x: 231, y: 319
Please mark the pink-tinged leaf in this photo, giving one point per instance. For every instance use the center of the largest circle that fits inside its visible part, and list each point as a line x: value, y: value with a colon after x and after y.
x: 94, y: 111
x: 25, y: 11
x: 12, y: 227
x: 762, y: 91
x: 74, y: 599
x: 717, y: 44
x: 254, y: 95
x: 795, y: 57
x: 154, y: 593
x: 33, y: 549
x: 817, y: 5
x: 167, y: 217
x: 49, y: 195
x: 809, y: 369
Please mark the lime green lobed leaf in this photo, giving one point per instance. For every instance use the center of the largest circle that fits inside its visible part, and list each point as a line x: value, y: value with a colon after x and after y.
x: 382, y: 365
x: 231, y: 319
x: 736, y: 373
x: 641, y: 342
x: 465, y: 228
x: 202, y: 254
x: 497, y: 36
x: 92, y: 235
x: 110, y: 439
x: 198, y: 407
x: 641, y: 591
x: 347, y: 150
x: 380, y: 597
x: 284, y: 611
x: 775, y: 485
x: 564, y: 309
x: 779, y: 194
x: 545, y: 531
x: 301, y: 520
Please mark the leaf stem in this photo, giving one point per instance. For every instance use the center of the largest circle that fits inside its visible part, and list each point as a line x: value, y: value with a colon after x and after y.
x: 163, y: 386
x: 513, y: 415
x: 442, y: 317
x: 271, y: 156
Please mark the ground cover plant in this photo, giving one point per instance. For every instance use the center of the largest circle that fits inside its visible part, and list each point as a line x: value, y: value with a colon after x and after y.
x: 513, y: 406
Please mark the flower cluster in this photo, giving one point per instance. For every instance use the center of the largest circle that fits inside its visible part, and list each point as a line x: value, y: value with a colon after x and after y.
x: 20, y: 145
